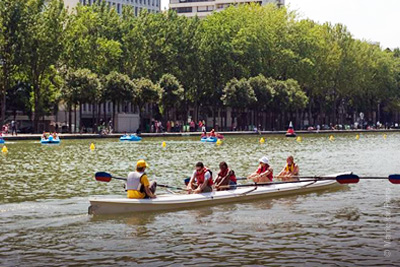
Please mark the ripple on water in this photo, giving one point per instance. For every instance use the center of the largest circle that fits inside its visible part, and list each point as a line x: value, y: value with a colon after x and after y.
x: 44, y: 190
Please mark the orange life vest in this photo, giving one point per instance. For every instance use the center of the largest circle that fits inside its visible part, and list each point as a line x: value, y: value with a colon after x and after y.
x: 263, y: 169
x: 200, y: 177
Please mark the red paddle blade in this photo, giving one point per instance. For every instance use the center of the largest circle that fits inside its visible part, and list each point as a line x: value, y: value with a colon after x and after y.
x: 103, y: 177
x: 347, y: 179
x: 394, y: 178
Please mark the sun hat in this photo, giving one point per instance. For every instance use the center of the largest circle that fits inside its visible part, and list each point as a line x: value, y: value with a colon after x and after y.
x: 142, y: 164
x: 264, y: 160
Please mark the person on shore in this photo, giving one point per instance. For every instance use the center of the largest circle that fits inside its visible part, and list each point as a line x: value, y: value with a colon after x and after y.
x: 13, y: 128
x: 226, y: 178
x: 264, y: 173
x: 201, y: 180
x: 137, y: 184
x: 290, y: 172
x: 203, y: 126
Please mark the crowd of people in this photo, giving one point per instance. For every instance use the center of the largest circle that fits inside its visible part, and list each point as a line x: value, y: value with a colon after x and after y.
x: 202, y: 180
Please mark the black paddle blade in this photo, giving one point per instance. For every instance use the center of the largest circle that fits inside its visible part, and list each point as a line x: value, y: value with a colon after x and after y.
x: 347, y: 179
x: 103, y: 177
x: 394, y: 178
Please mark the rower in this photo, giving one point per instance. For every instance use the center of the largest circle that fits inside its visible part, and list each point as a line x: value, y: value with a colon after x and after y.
x: 264, y: 173
x: 201, y: 180
x: 290, y: 172
x: 212, y: 133
x: 226, y: 178
x: 137, y: 184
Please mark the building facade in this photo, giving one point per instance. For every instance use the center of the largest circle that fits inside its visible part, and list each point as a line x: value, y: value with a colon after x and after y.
x: 153, y: 6
x: 202, y: 8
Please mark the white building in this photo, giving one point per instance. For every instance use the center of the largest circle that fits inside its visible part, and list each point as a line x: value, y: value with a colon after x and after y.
x: 202, y: 8
x: 153, y: 6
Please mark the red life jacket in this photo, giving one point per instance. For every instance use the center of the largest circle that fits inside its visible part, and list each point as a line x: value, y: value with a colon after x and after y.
x: 200, y: 177
x: 231, y: 177
x: 263, y: 169
x: 212, y: 134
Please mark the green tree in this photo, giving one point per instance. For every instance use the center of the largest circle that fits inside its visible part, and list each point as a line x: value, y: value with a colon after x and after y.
x: 171, y: 95
x: 147, y: 93
x: 238, y: 94
x: 118, y: 88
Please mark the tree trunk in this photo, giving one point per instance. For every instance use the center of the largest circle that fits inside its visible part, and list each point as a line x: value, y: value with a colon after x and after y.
x: 70, y: 118
x: 80, y: 118
x: 75, y: 118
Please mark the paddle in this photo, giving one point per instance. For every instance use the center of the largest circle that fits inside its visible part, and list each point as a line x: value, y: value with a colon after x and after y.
x: 342, y: 179
x: 106, y: 177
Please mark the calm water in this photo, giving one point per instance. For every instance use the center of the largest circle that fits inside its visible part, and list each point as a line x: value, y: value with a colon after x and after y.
x: 45, y: 189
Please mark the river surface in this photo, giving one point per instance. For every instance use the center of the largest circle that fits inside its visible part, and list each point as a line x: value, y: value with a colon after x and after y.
x: 44, y: 191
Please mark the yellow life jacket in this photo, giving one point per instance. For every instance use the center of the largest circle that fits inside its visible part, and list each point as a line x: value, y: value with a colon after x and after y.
x: 290, y: 168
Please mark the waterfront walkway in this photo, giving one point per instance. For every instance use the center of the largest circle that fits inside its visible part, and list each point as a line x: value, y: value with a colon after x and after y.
x: 117, y: 135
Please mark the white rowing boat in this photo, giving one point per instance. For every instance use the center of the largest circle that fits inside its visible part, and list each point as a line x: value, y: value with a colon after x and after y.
x: 182, y: 201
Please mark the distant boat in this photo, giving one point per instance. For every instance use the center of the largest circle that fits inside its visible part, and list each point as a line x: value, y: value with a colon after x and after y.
x: 290, y: 132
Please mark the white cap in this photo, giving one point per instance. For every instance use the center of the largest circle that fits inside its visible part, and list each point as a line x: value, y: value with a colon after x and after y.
x: 264, y: 160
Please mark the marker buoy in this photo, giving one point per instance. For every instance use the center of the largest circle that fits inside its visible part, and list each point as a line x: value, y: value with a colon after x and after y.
x: 262, y: 140
x: 298, y: 139
x: 4, y: 150
x: 331, y: 138
x: 384, y: 136
x: 219, y: 142
x: 164, y: 145
x: 357, y: 136
x: 92, y: 146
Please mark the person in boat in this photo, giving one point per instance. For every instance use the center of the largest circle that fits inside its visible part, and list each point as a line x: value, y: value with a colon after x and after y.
x: 201, y: 180
x: 290, y: 172
x: 44, y: 136
x: 264, y: 173
x: 226, y: 178
x: 203, y: 134
x: 137, y: 184
x: 55, y: 135
x: 212, y: 133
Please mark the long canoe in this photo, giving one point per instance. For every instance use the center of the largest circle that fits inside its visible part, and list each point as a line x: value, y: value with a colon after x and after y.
x: 186, y: 201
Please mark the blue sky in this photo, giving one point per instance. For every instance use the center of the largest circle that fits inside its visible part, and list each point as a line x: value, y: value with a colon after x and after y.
x: 372, y: 20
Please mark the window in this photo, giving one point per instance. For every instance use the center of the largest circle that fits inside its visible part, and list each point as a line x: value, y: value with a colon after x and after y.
x: 184, y: 10
x: 136, y: 11
x: 204, y: 8
x: 118, y: 8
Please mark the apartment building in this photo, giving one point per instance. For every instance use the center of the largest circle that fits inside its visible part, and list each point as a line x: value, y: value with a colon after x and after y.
x: 153, y: 6
x: 202, y: 8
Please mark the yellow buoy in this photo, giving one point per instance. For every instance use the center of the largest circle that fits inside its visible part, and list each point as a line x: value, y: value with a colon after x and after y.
x: 357, y: 136
x: 298, y: 139
x: 262, y: 140
x: 219, y: 142
x: 164, y: 145
x: 331, y: 138
x: 4, y: 149
x: 92, y: 146
x: 384, y: 136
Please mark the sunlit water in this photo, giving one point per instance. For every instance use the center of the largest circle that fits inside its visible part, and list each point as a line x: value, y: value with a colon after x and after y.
x: 45, y: 189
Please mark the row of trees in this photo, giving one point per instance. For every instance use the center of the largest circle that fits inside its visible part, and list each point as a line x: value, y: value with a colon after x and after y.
x: 262, y: 59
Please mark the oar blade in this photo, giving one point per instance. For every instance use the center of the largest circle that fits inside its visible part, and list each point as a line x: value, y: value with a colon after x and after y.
x: 347, y: 179
x: 394, y: 178
x: 103, y: 177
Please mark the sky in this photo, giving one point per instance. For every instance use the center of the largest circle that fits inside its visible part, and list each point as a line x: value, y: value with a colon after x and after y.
x: 371, y: 20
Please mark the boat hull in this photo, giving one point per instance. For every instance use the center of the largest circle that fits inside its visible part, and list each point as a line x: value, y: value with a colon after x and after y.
x: 130, y: 138
x: 2, y: 141
x: 47, y: 141
x: 172, y: 202
x: 209, y: 140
